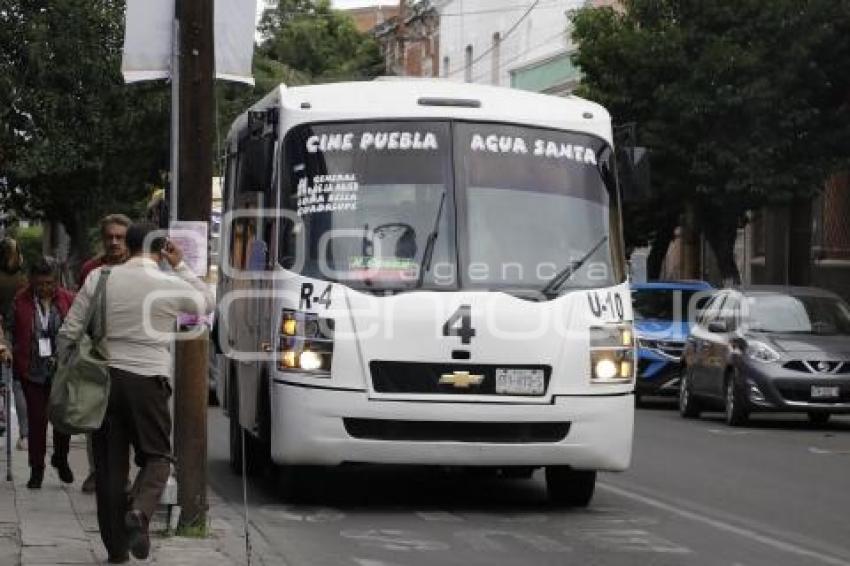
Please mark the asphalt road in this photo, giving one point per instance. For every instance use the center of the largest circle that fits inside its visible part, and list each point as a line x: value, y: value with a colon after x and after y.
x: 698, y: 493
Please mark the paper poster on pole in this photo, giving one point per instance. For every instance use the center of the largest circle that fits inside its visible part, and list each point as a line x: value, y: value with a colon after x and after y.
x: 191, y: 237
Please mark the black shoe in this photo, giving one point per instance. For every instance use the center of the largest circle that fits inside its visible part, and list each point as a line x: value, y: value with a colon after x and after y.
x: 118, y: 558
x: 36, y: 477
x: 137, y: 534
x: 64, y: 470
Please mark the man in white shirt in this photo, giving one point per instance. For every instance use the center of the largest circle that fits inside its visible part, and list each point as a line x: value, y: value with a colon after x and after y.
x: 142, y: 305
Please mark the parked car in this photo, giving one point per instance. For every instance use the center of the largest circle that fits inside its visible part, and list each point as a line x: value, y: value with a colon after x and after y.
x: 769, y: 349
x: 664, y: 313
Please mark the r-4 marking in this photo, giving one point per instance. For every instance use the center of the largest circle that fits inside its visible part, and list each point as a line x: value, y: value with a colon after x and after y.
x: 325, y: 297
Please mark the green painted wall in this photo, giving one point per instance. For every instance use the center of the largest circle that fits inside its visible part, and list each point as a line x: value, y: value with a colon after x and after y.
x: 545, y: 75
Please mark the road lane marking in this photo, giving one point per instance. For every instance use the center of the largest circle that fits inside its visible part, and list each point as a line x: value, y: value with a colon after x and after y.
x: 484, y: 540
x: 726, y: 527
x: 301, y: 514
x: 630, y: 540
x: 439, y: 517
x: 393, y: 539
x: 828, y: 451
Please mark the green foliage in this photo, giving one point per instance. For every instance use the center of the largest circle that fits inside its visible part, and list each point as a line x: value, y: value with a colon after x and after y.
x: 81, y: 142
x: 30, y: 242
x: 305, y: 42
x: 323, y: 43
x: 742, y: 102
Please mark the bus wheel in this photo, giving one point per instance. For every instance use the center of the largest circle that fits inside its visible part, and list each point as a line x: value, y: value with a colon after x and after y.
x: 569, y: 487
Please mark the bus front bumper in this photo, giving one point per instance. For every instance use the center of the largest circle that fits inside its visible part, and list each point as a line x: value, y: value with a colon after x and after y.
x: 331, y: 427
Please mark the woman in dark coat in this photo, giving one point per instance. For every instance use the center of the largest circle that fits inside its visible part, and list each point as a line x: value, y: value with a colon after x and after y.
x: 39, y: 311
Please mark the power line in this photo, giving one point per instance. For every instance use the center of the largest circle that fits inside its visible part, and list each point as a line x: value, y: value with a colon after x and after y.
x: 550, y: 4
x: 501, y: 38
x: 518, y: 56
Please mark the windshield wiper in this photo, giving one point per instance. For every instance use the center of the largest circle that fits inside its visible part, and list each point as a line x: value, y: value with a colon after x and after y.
x: 429, y: 246
x: 564, y: 275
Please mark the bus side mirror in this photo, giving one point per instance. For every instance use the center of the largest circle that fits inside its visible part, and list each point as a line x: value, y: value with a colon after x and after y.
x: 633, y: 167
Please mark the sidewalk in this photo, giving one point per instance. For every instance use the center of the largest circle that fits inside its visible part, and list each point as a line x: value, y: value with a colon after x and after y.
x: 58, y: 524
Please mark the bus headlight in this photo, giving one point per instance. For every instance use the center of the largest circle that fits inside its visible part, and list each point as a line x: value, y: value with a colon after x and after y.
x: 612, y: 352
x: 306, y: 343
x: 605, y: 369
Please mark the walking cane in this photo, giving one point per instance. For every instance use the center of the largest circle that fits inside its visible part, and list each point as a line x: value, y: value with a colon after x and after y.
x: 7, y: 381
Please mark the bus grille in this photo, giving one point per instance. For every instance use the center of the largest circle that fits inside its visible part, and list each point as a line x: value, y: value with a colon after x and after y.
x: 449, y: 431
x: 424, y: 378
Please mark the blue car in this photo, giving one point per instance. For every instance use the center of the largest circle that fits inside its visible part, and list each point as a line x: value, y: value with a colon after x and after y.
x: 664, y: 312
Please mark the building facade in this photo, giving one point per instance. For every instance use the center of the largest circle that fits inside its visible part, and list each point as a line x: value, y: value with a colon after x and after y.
x: 524, y: 45
x: 410, y: 40
x: 368, y: 18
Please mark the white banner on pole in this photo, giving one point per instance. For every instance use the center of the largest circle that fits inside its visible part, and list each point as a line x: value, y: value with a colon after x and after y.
x: 235, y: 27
x: 147, y: 40
x: 149, y: 32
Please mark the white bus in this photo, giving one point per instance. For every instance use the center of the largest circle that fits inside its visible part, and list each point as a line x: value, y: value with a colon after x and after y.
x: 426, y: 273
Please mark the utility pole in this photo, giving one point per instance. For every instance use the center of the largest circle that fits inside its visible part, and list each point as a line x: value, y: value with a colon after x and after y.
x: 194, y: 202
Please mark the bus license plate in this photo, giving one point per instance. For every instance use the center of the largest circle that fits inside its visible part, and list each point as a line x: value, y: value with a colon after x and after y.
x: 819, y: 392
x: 520, y: 381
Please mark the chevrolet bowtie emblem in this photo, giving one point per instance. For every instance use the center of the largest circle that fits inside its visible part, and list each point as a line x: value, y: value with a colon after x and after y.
x: 461, y: 379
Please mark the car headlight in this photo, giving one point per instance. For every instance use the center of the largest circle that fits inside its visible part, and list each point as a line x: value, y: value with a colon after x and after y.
x: 306, y: 343
x: 761, y: 352
x: 612, y: 354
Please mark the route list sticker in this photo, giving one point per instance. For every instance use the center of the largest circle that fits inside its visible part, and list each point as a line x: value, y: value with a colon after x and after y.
x: 327, y: 193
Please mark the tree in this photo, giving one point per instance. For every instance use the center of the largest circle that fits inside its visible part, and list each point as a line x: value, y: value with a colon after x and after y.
x: 76, y: 141
x: 743, y: 103
x: 313, y: 38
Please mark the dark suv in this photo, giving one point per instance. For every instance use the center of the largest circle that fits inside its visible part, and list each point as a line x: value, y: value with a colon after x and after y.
x: 769, y: 349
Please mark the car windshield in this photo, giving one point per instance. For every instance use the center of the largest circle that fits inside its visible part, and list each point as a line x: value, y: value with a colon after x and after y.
x: 668, y: 304
x: 798, y: 314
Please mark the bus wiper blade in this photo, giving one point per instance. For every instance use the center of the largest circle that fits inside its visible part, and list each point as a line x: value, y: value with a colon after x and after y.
x: 429, y: 246
x: 564, y: 275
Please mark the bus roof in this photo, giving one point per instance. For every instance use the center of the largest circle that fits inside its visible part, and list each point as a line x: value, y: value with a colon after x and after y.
x: 432, y: 99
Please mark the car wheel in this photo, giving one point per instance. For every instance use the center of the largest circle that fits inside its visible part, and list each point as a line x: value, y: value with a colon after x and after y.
x: 688, y: 405
x: 817, y: 418
x: 737, y: 413
x: 568, y: 487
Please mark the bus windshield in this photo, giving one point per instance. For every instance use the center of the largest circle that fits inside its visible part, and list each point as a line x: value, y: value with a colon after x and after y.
x: 385, y: 206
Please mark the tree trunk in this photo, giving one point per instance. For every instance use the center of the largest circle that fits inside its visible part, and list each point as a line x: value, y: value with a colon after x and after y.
x: 721, y: 232
x: 690, y: 250
x: 658, y: 249
x: 800, y: 243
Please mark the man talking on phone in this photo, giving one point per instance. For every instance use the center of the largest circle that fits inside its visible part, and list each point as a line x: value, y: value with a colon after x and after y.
x: 142, y: 306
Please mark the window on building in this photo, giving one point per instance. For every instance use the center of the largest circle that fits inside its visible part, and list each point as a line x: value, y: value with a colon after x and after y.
x: 467, y: 67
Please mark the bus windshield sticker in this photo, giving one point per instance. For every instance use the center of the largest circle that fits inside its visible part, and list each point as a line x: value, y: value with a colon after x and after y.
x: 327, y: 193
x: 372, y: 141
x: 365, y: 268
x: 538, y: 148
